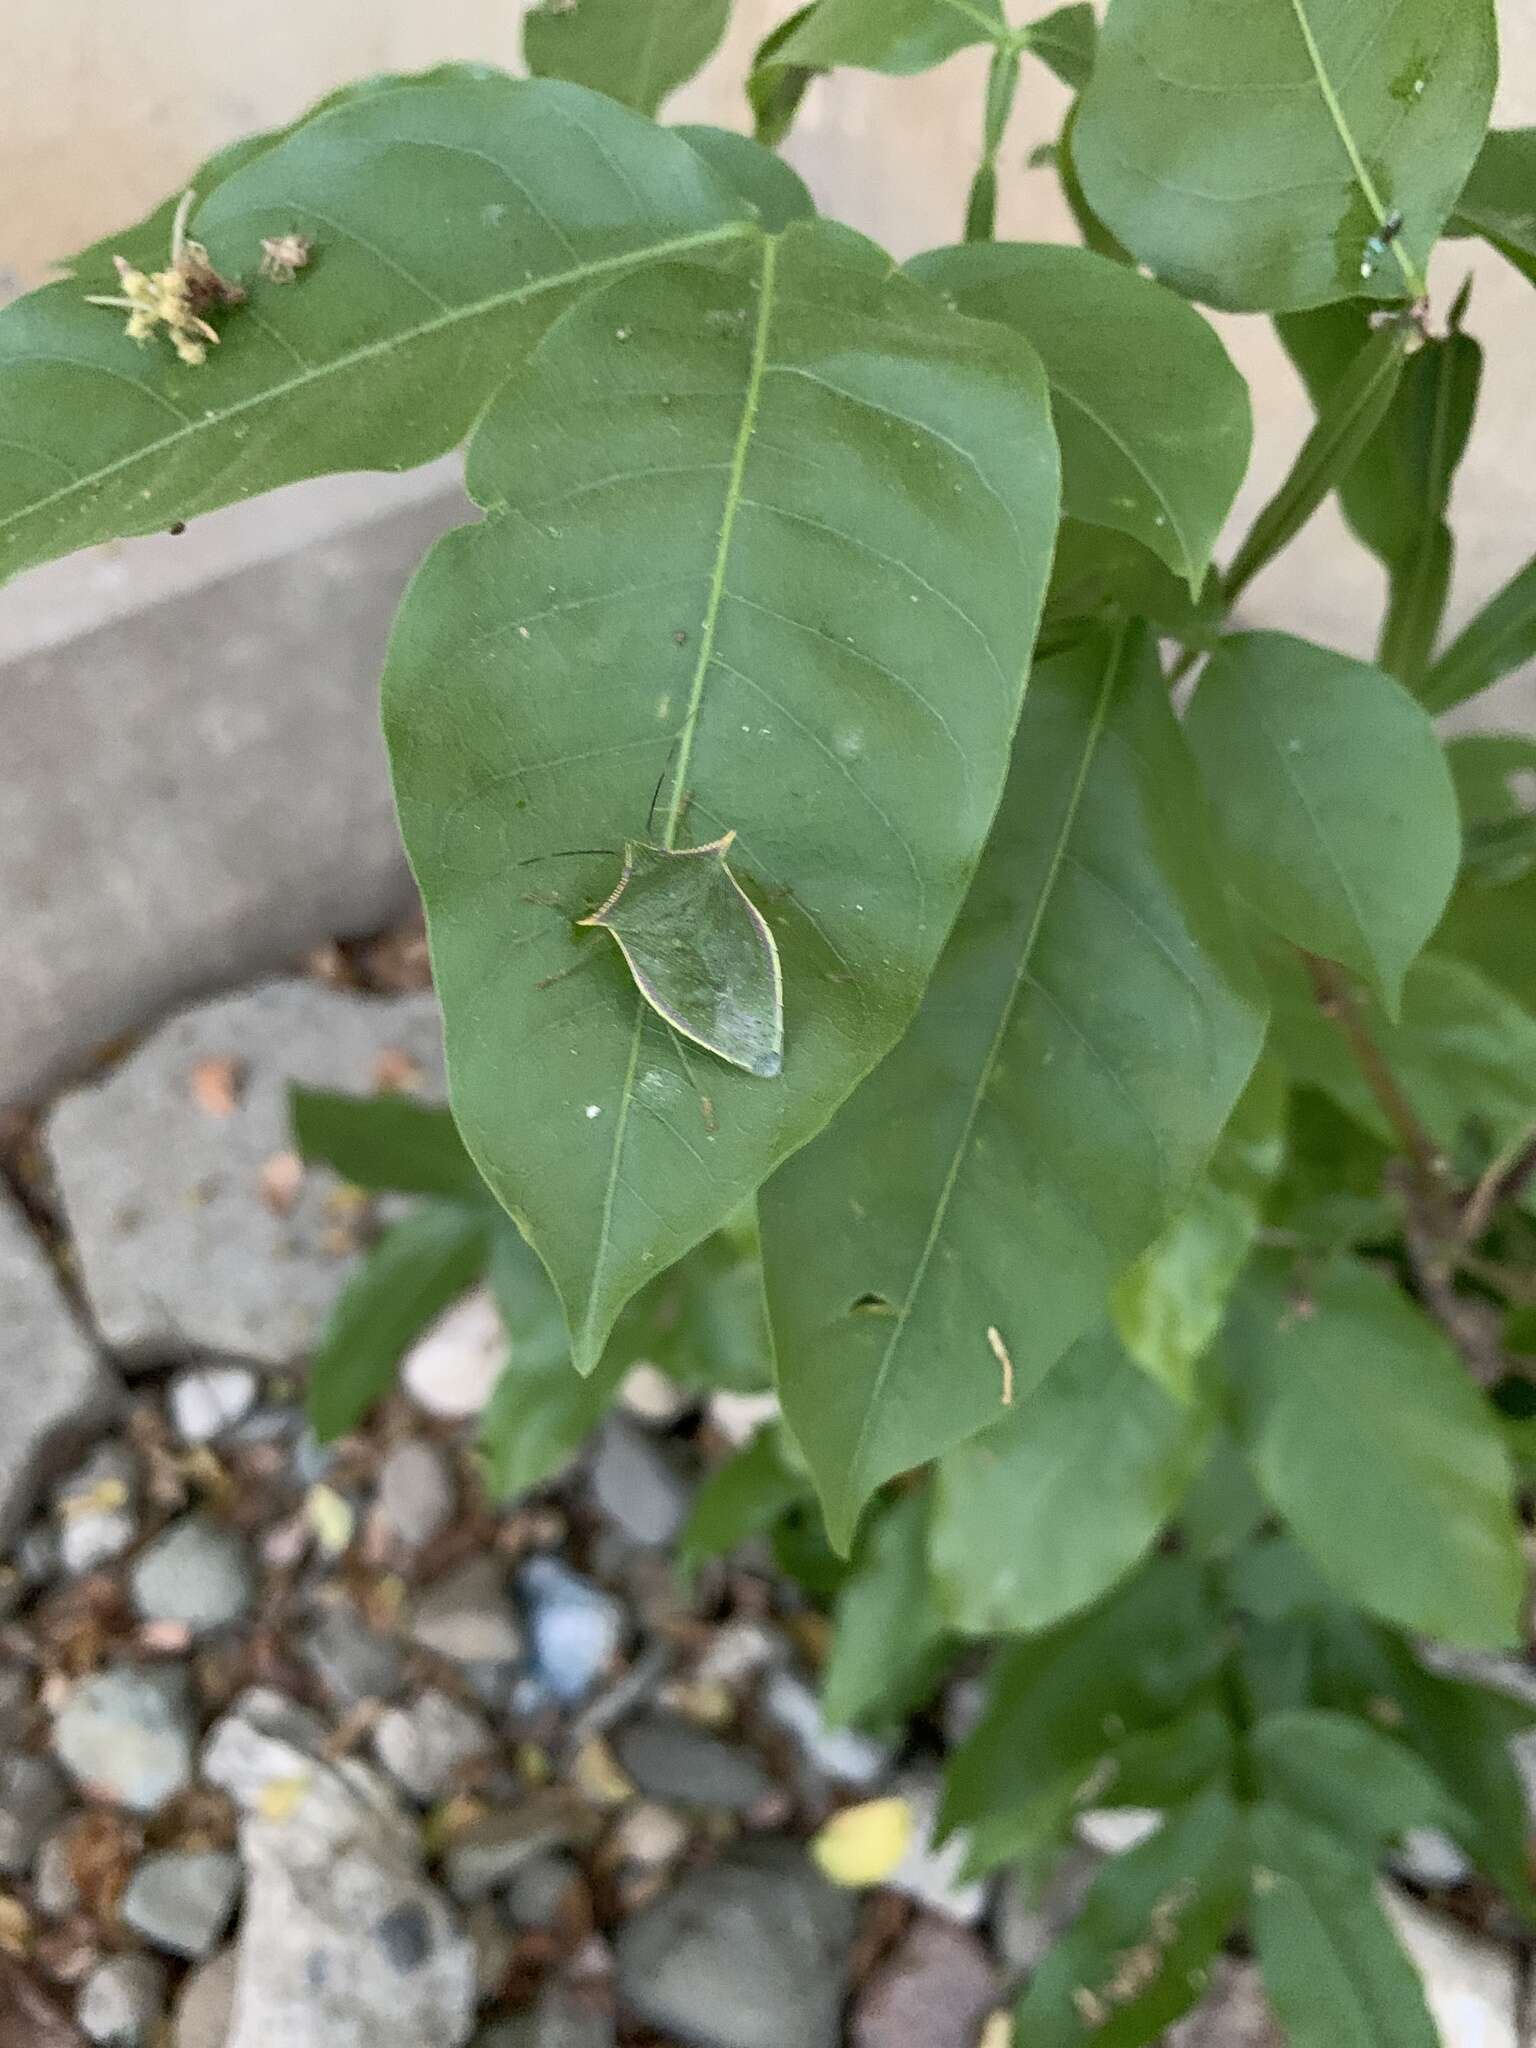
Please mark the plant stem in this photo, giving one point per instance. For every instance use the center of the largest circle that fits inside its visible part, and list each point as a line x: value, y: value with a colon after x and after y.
x: 1002, y: 84
x: 1336, y: 1002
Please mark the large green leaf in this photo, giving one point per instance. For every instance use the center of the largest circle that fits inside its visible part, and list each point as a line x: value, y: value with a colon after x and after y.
x: 890, y: 1638
x: 756, y: 174
x: 1493, y: 930
x: 740, y: 1499
x: 412, y: 1274
x: 1065, y: 40
x: 1152, y: 415
x: 1346, y: 1776
x: 1248, y: 150
x: 1489, y: 647
x: 1010, y: 1545
x: 1464, y: 1051
x: 1088, y: 1030
x: 1366, y: 1434
x: 1061, y: 1706
x: 1138, y: 1955
x: 636, y: 51
x: 451, y: 219
x: 1498, y: 201
x: 772, y: 531
x: 1334, y: 799
x: 1334, y: 1970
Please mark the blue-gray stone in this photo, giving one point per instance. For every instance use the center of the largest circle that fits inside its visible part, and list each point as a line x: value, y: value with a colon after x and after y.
x: 575, y: 1630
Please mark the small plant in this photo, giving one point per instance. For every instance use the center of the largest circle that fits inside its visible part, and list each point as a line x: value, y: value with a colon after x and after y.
x: 1122, y: 1096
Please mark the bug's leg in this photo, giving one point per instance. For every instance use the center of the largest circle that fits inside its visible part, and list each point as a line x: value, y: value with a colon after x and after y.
x: 705, y: 1104
x: 574, y: 968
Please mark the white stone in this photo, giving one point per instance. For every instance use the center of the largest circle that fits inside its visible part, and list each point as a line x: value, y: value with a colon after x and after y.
x: 423, y: 1745
x: 846, y: 1754
x: 1112, y: 1830
x: 1470, y: 1985
x: 210, y: 1399
x: 646, y: 1393
x: 451, y: 1371
x: 739, y: 1417
x: 930, y: 1872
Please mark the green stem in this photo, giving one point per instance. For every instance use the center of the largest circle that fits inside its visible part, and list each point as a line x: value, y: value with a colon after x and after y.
x: 1002, y: 84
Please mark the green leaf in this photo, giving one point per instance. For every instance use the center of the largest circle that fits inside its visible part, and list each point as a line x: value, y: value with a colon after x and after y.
x: 1137, y: 1956
x: 1092, y: 230
x: 542, y: 1410
x: 1248, y: 155
x: 1334, y: 799
x: 1495, y: 778
x: 412, y: 1274
x: 741, y: 1499
x: 1096, y: 568
x: 1464, y: 1052
x: 1152, y: 415
x: 1365, y: 1433
x: 1462, y: 1731
x: 1065, y: 39
x: 1347, y: 420
x: 754, y: 174
x: 1489, y: 647
x: 775, y: 91
x: 635, y: 51
x: 1395, y: 495
x: 1331, y: 1195
x: 1334, y: 1970
x: 1011, y: 1547
x: 1492, y: 931
x: 890, y: 1640
x: 386, y: 1143
x: 386, y: 347
x: 753, y: 621
x: 704, y: 1321
x: 1083, y: 1041
x: 1496, y: 201
x: 900, y: 37
x: 1346, y: 1777
x: 1060, y: 1704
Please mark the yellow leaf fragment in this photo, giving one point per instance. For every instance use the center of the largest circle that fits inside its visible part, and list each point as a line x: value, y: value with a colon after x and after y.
x: 864, y: 1844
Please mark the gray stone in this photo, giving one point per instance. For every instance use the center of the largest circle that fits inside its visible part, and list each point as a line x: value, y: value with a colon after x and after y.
x: 484, y: 1857
x: 937, y: 1987
x: 539, y: 1888
x: 205, y: 2006
x: 350, y: 1660
x: 97, y: 1509
x: 32, y: 1797
x: 55, y: 1892
x: 344, y: 1943
x: 1234, y: 2013
x: 670, y: 1760
x: 206, y: 1401
x: 121, y: 2001
x: 1029, y: 1921
x: 844, y: 1754
x: 129, y: 1735
x: 178, y: 1246
x: 54, y: 1391
x: 15, y: 1704
x: 748, y: 1953
x: 198, y: 1573
x: 240, y: 814
x: 575, y: 1629
x: 416, y: 1493
x: 181, y: 1900
x: 637, y: 1485
x: 467, y: 1616
x: 559, y: 2020
x: 424, y: 1744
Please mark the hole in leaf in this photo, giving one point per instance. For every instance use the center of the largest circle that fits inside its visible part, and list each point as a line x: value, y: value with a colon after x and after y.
x: 871, y: 1305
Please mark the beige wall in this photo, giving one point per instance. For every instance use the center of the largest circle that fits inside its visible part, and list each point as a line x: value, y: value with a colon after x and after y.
x: 109, y: 103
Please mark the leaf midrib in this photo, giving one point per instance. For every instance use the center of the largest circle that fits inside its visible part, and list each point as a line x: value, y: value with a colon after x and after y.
x: 994, y: 1051
x: 603, y: 266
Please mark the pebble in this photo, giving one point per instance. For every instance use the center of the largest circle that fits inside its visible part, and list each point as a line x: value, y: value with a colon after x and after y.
x: 416, y: 1496
x: 672, y: 1761
x: 15, y: 1703
x: 539, y: 1888
x: 181, y: 1900
x: 38, y: 1557
x: 32, y: 1799
x: 205, y: 2008
x: 575, y: 1630
x: 197, y: 1573
x: 650, y: 1396
x: 467, y: 1616
x: 208, y: 1400
x: 424, y: 1744
x: 55, y: 1892
x: 930, y: 1871
x: 936, y: 1987
x: 1234, y: 2013
x: 1030, y: 1920
x: 121, y: 2001
x: 1429, y: 1857
x: 128, y: 1733
x: 1113, y: 1830
x: 1471, y: 1985
x: 451, y: 1371
x: 484, y: 1857
x: 649, y: 1835
x: 352, y: 1661
x: 97, y: 1509
x: 557, y: 2020
x: 636, y: 1485
x: 844, y: 1754
x: 750, y: 1952
x: 739, y: 1417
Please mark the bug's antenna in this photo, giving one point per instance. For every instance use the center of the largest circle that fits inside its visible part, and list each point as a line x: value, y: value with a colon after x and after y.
x: 650, y: 816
